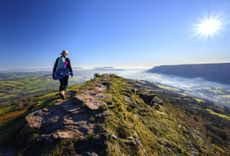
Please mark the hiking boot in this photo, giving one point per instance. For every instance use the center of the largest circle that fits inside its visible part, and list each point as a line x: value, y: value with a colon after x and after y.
x: 63, y: 95
x: 66, y: 95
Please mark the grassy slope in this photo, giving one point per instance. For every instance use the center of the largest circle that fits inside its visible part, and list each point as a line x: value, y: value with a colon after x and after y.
x: 162, y: 131
x: 227, y: 117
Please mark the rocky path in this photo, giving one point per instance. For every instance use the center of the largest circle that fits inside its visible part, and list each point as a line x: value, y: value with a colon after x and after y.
x: 73, y: 118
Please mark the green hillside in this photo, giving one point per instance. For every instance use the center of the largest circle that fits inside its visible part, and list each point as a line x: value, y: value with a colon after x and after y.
x: 14, y: 89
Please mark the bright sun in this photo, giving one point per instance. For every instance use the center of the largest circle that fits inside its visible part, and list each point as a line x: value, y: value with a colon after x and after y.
x: 208, y: 26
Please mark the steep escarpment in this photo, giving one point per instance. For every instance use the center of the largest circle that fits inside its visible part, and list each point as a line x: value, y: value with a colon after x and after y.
x: 110, y: 115
x: 211, y: 72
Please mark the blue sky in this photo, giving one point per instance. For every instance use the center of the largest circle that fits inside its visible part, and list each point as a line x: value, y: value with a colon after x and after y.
x: 124, y: 33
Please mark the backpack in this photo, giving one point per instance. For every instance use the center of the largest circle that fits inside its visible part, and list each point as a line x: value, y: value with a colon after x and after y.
x: 62, y: 70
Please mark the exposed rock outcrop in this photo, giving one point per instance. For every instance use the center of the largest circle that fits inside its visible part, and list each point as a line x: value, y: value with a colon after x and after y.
x: 151, y: 99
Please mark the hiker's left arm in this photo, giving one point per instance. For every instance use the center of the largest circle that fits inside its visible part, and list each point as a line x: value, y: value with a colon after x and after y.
x: 70, y: 67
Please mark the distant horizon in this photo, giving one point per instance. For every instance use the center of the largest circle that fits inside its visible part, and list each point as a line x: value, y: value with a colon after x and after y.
x: 49, y: 68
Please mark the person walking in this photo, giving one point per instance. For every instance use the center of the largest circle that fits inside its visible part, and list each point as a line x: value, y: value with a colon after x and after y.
x: 61, y: 71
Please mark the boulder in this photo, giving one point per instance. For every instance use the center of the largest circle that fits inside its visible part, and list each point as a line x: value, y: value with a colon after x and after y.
x: 151, y: 99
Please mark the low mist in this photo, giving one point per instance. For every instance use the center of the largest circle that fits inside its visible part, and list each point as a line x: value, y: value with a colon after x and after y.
x: 198, y: 87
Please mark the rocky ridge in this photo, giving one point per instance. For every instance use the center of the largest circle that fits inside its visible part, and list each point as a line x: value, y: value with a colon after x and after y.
x: 110, y: 115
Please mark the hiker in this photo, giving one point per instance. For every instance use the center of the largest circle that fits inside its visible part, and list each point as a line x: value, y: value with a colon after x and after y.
x: 61, y: 71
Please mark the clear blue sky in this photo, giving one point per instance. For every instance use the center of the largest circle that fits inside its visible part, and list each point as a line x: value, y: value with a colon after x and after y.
x: 110, y: 32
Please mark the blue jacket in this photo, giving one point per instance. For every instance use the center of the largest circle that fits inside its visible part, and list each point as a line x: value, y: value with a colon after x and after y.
x: 62, y: 69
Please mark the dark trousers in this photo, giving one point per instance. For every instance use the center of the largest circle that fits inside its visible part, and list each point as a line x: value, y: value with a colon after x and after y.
x: 63, y: 83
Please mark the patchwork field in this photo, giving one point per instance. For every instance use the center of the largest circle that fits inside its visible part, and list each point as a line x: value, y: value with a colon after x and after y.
x: 13, y: 89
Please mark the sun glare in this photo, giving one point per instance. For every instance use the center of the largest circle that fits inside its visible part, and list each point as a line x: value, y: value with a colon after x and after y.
x: 208, y: 27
